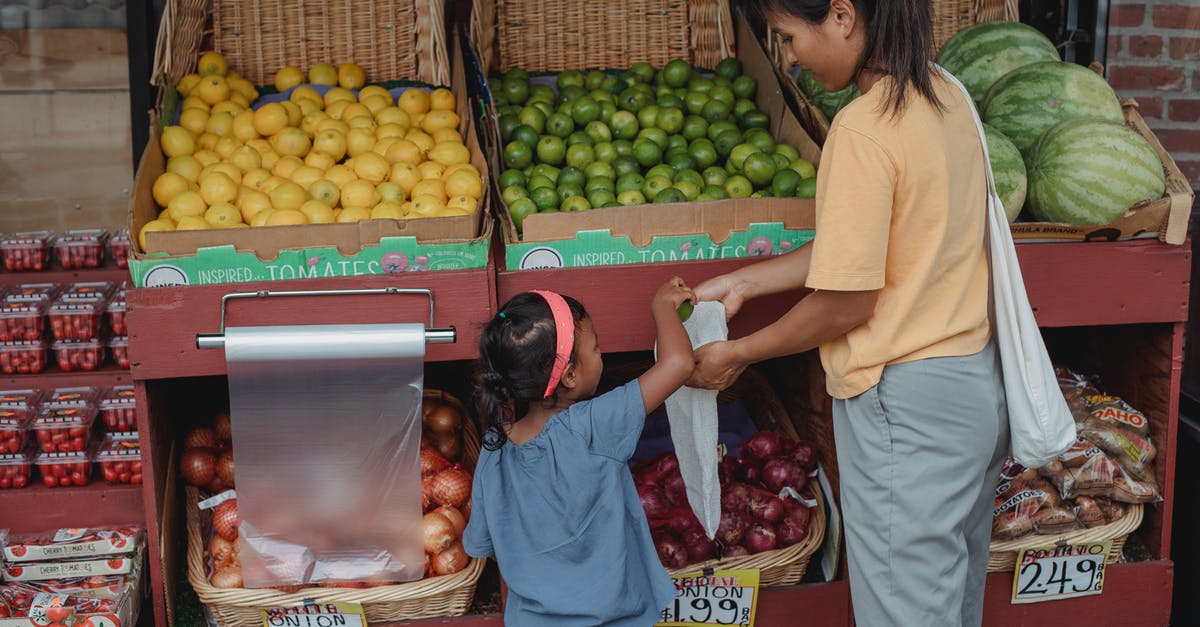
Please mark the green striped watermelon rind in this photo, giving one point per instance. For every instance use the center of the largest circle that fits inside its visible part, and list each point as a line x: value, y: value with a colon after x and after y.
x: 1029, y: 100
x: 1008, y: 171
x: 981, y: 54
x: 1091, y: 172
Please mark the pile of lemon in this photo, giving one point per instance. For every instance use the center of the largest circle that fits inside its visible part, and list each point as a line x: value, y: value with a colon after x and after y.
x: 311, y: 159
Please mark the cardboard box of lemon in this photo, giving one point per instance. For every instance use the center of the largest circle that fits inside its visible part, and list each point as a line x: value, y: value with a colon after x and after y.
x: 320, y: 175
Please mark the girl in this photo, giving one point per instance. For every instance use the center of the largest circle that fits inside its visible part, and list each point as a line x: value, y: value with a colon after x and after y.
x: 899, y: 311
x: 553, y: 498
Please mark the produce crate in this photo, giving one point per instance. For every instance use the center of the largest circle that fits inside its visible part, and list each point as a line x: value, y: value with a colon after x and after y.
x: 448, y: 595
x: 643, y: 233
x: 381, y: 246
x: 1002, y: 556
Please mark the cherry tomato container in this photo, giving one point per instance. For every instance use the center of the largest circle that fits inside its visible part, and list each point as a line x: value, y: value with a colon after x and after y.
x: 28, y: 251
x: 118, y: 246
x: 64, y: 430
x: 68, y: 397
x: 27, y: 292
x: 79, y: 355
x: 75, y: 320
x: 15, y: 470
x: 118, y: 409
x: 116, y: 314
x: 89, y: 291
x: 14, y: 426
x: 24, y: 357
x: 120, y: 460
x: 22, y: 320
x: 64, y: 469
x: 81, y: 248
x: 119, y: 347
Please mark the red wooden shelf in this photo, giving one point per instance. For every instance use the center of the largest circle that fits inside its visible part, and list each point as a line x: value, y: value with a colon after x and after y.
x: 56, y: 274
x: 38, y: 508
x: 107, y: 375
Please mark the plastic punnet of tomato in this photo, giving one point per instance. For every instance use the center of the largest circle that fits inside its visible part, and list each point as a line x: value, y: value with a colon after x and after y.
x: 116, y: 314
x: 22, y: 320
x: 75, y: 320
x: 15, y: 470
x: 119, y: 245
x: 64, y: 469
x: 30, y: 292
x: 14, y: 425
x: 118, y: 409
x: 23, y: 357
x: 73, y: 355
x: 26, y: 252
x: 120, y: 460
x: 80, y: 248
x: 119, y: 347
x: 81, y: 396
x: 64, y: 430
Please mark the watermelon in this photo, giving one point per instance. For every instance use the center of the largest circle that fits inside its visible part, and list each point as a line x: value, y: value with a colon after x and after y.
x: 980, y: 55
x: 1091, y: 172
x: 1029, y: 100
x: 828, y: 102
x: 1008, y: 171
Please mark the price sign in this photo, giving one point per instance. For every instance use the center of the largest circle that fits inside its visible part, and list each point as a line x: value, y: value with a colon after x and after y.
x: 1060, y: 572
x: 724, y: 597
x: 311, y: 614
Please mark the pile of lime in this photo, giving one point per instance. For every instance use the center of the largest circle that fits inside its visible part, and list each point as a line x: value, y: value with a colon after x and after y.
x: 638, y: 136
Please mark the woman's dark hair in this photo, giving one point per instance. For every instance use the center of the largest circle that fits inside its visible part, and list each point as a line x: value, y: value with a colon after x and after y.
x: 899, y: 40
x: 516, y: 354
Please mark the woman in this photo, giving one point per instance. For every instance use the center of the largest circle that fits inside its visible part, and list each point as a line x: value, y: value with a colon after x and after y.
x: 899, y: 310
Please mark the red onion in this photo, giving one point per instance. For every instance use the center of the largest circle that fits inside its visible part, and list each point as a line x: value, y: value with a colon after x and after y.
x: 760, y: 537
x: 781, y: 472
x: 790, y: 531
x: 681, y: 520
x: 653, y: 501
x: 675, y: 490
x: 726, y: 470
x: 660, y: 466
x: 763, y: 446
x: 805, y: 454
x: 671, y: 552
x: 699, y: 547
x: 771, y: 511
x: 747, y: 471
x: 732, y: 527
x: 731, y: 502
x: 797, y: 511
x: 735, y: 550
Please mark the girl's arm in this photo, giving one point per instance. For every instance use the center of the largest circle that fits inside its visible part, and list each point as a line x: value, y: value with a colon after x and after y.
x: 675, y: 361
x: 777, y: 274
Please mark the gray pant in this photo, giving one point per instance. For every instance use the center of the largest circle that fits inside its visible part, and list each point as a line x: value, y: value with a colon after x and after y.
x: 919, y: 457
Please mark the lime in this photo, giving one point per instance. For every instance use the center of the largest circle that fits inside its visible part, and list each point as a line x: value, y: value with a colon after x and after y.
x: 677, y: 73
x: 690, y: 190
x: 744, y: 86
x: 569, y: 77
x: 624, y: 125
x: 694, y: 127
x: 703, y: 152
x: 624, y: 147
x: 515, y: 90
x: 671, y: 100
x: 631, y: 197
x: 669, y: 195
x: 738, y: 186
x: 655, y: 184
x: 695, y: 101
x: 633, y: 100
x: 521, y: 209
x: 571, y: 177
x: 580, y: 155
x: 679, y: 159
x: 601, y: 198
x: 517, y: 154
x: 599, y: 183
x: 700, y: 83
x: 626, y: 164
x: 787, y: 151
x: 656, y: 135
x: 508, y: 122
x: 684, y: 310
x: 538, y: 181
x: 545, y: 106
x: 576, y: 203
x: 509, y: 178
x: 729, y: 67
x: 807, y: 188
x: 661, y: 169
x: 755, y: 119
x: 689, y: 175
x: 760, y: 139
x: 647, y: 152
x: 785, y: 182
x: 737, y: 156
x: 648, y: 116
x: 568, y: 191
x: 534, y: 118
x: 715, y: 111
x: 585, y: 110
x: 513, y: 193
x: 760, y: 168
x: 716, y: 128
x: 578, y: 137
x: 804, y: 167
x: 594, y: 80
x: 550, y: 149
x: 613, y: 85
x: 599, y: 169
x: 724, y: 94
x: 605, y: 152
x: 781, y: 162
x: 546, y: 198
x: 716, y: 192
x: 670, y: 120
x: 715, y: 176
x: 526, y: 135
x: 546, y: 170
x: 560, y: 125
x: 676, y: 142
x: 643, y: 71
x: 742, y: 106
x: 601, y: 96
x: 541, y: 93
x: 607, y: 109
x: 629, y: 181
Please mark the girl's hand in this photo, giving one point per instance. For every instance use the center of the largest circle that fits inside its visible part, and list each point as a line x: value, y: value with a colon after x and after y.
x: 723, y: 288
x: 670, y: 295
x: 717, y: 367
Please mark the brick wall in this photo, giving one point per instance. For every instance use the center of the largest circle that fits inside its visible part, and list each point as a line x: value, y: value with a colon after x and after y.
x: 1154, y: 56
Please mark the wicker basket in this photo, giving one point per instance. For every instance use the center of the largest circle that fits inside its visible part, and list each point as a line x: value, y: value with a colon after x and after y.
x: 390, y: 39
x: 449, y: 595
x: 540, y: 35
x: 1003, y: 555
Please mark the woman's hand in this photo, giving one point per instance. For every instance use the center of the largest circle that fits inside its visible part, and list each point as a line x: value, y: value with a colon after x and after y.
x: 723, y: 288
x: 717, y: 367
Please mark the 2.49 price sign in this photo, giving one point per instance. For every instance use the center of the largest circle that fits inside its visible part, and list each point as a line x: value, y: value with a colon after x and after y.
x: 1061, y: 572
x: 721, y: 598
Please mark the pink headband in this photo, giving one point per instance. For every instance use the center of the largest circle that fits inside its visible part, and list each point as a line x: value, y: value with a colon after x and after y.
x: 564, y: 328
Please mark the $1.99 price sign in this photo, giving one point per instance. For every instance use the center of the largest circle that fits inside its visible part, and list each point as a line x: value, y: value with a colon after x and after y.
x: 1060, y: 572
x: 725, y: 597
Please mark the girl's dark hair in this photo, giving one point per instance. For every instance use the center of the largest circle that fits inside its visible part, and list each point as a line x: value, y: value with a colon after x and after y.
x: 516, y: 354
x: 899, y: 40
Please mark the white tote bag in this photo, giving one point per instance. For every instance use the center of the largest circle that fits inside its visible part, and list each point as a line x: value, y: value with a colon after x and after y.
x: 1039, y: 420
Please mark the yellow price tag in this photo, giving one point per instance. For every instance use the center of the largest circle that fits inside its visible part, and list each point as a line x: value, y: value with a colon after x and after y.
x: 724, y: 597
x: 313, y: 614
x: 1050, y: 573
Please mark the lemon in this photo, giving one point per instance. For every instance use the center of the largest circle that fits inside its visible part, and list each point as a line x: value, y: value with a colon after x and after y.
x: 207, y: 141
x: 226, y: 168
x: 405, y: 151
x: 223, y: 215
x: 355, y: 110
x: 427, y: 206
x: 186, y: 166
x: 260, y: 218
x: 384, y: 131
x: 463, y: 203
x: 391, y: 192
x: 194, y: 120
x: 338, y: 94
x: 270, y: 119
x: 288, y: 195
x: 212, y: 63
x: 194, y: 102
x: 286, y: 217
x: 309, y: 106
x: 187, y: 84
x: 176, y: 141
x: 360, y: 193
x: 437, y: 119
x: 326, y: 191
x: 341, y: 174
x: 226, y: 146
x: 254, y: 178
x: 359, y: 141
x: 323, y: 74
x: 188, y: 203
x: 429, y: 187
x: 331, y: 142
x: 387, y: 210
x: 260, y: 145
x: 159, y: 225
x: 335, y: 109
x: 305, y: 176
x: 167, y: 186
x: 243, y: 87
x: 320, y: 160
x: 383, y: 144
x: 246, y: 159
x: 295, y: 115
x: 304, y: 92
x: 286, y: 165
x: 239, y: 99
x: 229, y: 106
x: 251, y: 203
x: 371, y: 91
x: 450, y: 153
x: 405, y: 175
x: 287, y: 78
x: 271, y: 183
x: 363, y: 122
x: 420, y: 138
x: 447, y: 135
x: 331, y: 123
x: 413, y: 101
x: 393, y: 115
x: 213, y: 89
x: 192, y: 223
x: 269, y: 159
x: 206, y: 157
x: 354, y: 214
x: 371, y: 167
x: 374, y: 103
x: 464, y: 183
x: 291, y: 142
x: 243, y: 126
x: 217, y: 188
x: 311, y: 122
x: 442, y: 99
x: 351, y: 76
x: 431, y: 170
x: 317, y: 212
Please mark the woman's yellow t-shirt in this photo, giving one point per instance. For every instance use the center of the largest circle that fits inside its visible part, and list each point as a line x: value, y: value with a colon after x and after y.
x: 901, y: 205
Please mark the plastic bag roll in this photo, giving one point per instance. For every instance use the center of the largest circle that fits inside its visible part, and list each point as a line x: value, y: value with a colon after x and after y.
x: 326, y: 432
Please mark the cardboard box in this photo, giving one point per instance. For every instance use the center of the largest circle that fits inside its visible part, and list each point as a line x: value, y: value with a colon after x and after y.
x: 671, y: 232
x: 308, y: 251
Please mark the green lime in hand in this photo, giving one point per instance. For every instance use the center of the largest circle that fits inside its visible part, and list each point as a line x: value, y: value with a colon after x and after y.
x: 684, y: 310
